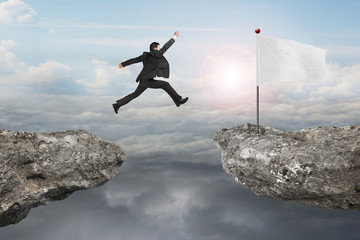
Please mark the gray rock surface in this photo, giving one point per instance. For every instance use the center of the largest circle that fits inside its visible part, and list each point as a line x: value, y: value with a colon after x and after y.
x: 317, y: 167
x: 38, y: 168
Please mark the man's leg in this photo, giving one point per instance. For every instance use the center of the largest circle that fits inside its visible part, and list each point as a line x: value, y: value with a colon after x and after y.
x: 151, y: 83
x: 121, y: 102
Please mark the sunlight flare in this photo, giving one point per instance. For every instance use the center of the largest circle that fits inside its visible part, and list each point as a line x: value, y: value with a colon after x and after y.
x: 227, y: 76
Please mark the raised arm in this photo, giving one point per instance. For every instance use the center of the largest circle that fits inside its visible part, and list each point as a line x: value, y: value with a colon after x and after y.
x: 169, y: 43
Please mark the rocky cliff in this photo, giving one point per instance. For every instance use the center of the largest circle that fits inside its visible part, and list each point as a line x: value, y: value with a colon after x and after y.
x: 318, y: 166
x: 38, y: 168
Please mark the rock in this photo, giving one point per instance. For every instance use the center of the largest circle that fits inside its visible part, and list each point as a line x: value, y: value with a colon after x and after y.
x: 317, y: 167
x: 38, y: 168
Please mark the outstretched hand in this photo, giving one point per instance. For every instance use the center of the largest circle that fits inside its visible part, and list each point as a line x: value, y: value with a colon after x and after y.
x: 176, y: 34
x: 120, y: 65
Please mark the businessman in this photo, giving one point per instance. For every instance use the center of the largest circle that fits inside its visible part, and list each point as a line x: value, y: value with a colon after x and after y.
x: 154, y: 65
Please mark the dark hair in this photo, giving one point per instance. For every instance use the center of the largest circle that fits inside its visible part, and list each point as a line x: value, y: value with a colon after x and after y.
x: 154, y: 45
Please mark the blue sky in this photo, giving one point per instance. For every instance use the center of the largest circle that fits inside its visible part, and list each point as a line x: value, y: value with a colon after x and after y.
x: 58, y: 71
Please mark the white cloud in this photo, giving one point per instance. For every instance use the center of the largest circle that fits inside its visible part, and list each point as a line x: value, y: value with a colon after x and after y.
x: 343, y: 82
x: 105, y: 76
x: 47, y: 72
x: 8, y: 60
x: 174, y: 205
x: 16, y: 11
x: 14, y: 71
x: 169, y: 199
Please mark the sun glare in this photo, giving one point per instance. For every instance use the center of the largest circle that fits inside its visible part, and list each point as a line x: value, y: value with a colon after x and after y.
x: 228, y: 77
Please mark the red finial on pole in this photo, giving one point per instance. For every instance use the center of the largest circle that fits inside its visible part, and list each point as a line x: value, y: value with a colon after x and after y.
x: 257, y: 31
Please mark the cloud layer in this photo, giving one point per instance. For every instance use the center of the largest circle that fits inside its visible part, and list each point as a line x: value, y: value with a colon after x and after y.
x: 169, y: 199
x: 16, y: 11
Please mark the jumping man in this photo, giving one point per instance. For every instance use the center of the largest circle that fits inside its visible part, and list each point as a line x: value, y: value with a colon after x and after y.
x: 154, y: 65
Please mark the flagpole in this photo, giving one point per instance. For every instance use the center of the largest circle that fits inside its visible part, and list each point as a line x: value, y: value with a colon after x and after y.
x: 257, y: 108
x: 257, y: 31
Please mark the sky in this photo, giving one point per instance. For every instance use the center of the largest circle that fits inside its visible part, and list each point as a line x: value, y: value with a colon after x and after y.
x: 58, y: 71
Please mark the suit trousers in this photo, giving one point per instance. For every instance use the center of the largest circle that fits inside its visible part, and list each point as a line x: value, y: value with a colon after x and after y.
x: 150, y: 83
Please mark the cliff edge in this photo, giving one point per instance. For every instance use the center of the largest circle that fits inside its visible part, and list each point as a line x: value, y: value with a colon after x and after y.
x: 38, y: 168
x: 318, y: 167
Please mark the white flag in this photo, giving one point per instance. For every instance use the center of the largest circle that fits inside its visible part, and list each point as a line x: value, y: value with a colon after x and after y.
x: 287, y: 60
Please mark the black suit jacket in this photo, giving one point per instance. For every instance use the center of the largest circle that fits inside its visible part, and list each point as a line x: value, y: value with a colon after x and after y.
x: 154, y: 63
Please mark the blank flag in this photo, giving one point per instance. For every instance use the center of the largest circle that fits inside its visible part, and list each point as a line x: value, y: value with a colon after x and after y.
x: 287, y: 60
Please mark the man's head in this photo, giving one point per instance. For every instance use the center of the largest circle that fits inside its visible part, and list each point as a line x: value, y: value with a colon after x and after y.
x: 154, y: 46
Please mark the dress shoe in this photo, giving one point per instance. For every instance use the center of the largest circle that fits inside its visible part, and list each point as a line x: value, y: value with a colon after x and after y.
x: 116, y: 108
x: 182, y: 101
